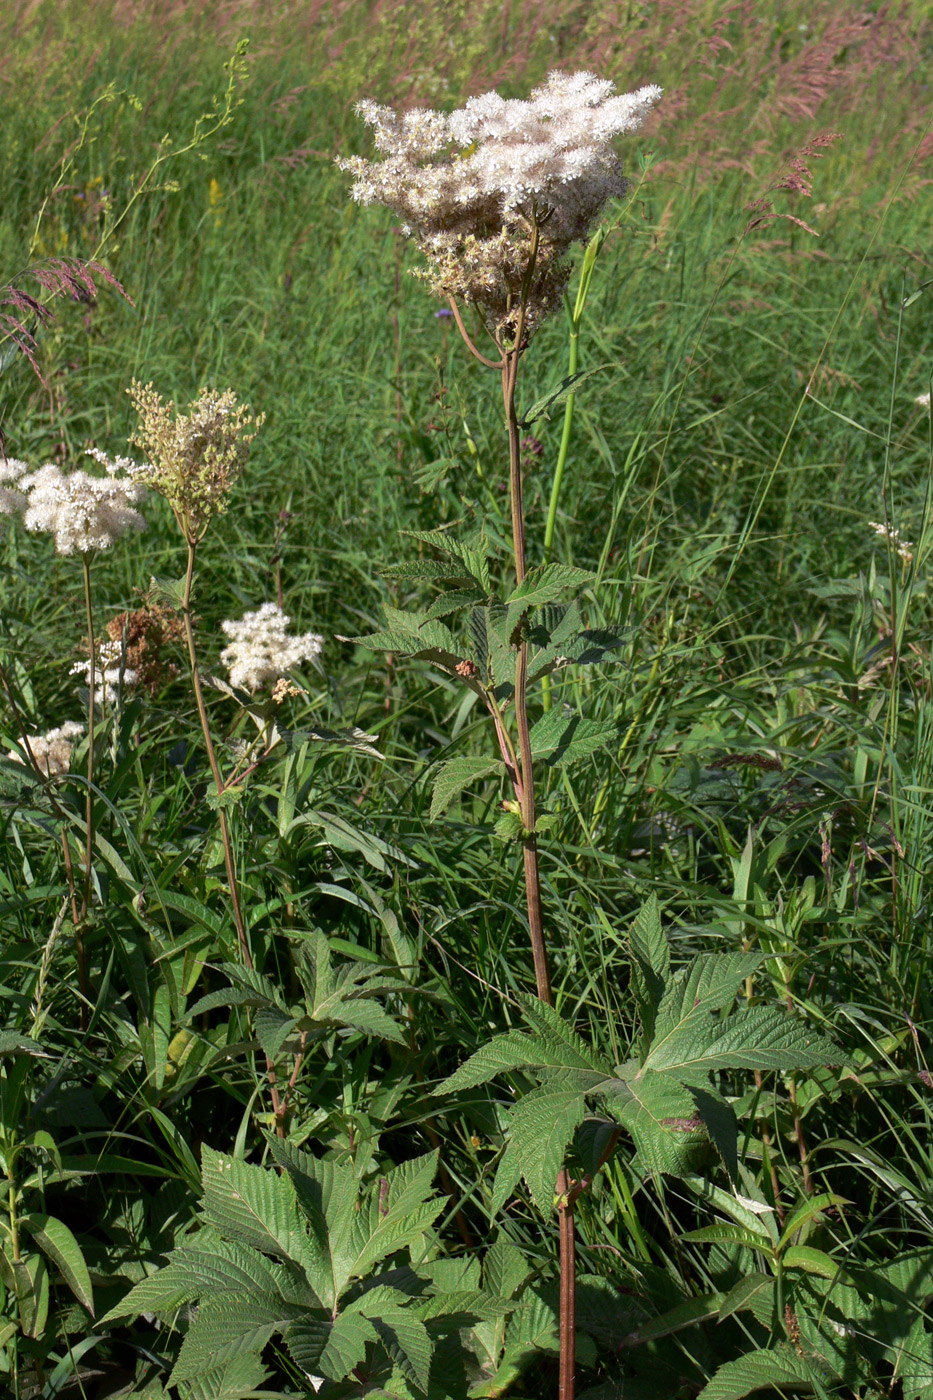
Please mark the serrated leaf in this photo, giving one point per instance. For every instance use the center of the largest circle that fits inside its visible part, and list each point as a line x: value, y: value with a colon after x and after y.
x: 554, y: 1045
x: 256, y: 1207
x: 665, y: 1125
x: 401, y: 1332
x: 456, y: 600
x: 429, y: 475
x: 760, y: 1038
x: 812, y: 1261
x: 457, y: 774
x: 542, y: 585
x: 725, y: 1233
x: 561, y: 737
x: 427, y: 569
x: 235, y: 1379
x: 780, y: 1366
x: 541, y: 1124
x: 60, y: 1246
x: 754, y: 1293
x: 562, y: 391
x: 218, y: 1335
x: 651, y: 963
x: 707, y: 984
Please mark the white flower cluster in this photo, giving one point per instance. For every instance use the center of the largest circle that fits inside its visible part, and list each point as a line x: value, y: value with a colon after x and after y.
x: 905, y: 548
x: 261, y: 650
x: 923, y: 400
x: 83, y: 512
x: 12, y: 500
x: 470, y: 185
x: 52, y: 752
x: 111, y: 674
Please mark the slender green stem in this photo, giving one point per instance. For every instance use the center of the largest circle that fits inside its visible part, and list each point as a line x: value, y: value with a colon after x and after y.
x: 246, y: 956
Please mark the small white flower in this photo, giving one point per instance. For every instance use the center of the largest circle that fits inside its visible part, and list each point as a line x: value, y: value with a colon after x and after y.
x: 12, y: 500
x: 261, y: 650
x: 923, y: 400
x: 52, y: 751
x: 83, y: 512
x: 905, y: 548
x: 110, y: 674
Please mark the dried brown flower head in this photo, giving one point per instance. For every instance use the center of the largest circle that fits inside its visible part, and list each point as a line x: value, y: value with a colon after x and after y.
x: 143, y: 634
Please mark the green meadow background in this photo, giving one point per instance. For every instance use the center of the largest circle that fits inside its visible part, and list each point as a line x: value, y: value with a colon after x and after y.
x: 772, y: 779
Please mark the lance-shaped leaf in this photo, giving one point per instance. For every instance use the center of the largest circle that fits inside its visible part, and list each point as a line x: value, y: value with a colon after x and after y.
x: 651, y: 963
x: 400, y: 1330
x: 474, y: 558
x: 60, y: 1246
x: 455, y: 775
x: 330, y: 1347
x: 760, y: 1038
x: 219, y: 1334
x: 541, y: 1124
x: 560, y: 736
x: 562, y: 391
x: 232, y: 1380
x: 414, y: 634
x: 211, y: 1267
x: 540, y: 586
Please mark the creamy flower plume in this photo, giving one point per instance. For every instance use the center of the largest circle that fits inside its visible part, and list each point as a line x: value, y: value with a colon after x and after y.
x: 52, y: 751
x: 261, y: 650
x: 470, y: 185
x: 83, y: 512
x: 923, y: 400
x: 194, y: 458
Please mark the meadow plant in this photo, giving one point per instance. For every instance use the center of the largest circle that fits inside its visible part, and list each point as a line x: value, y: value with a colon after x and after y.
x: 261, y: 651
x: 51, y: 752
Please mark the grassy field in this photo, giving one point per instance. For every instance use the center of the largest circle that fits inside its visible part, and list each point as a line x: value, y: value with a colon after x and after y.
x: 761, y: 306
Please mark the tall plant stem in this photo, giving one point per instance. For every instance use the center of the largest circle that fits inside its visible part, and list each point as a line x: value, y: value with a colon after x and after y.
x: 567, y: 1236
x: 80, y: 951
x: 246, y: 956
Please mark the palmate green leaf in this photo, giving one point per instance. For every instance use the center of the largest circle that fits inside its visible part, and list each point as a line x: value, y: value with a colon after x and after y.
x: 759, y: 1370
x: 399, y: 1210
x: 238, y: 1379
x: 561, y: 737
x: 541, y: 1124
x: 557, y: 637
x: 438, y: 570
x: 709, y: 983
x: 413, y: 634
x: 343, y: 995
x: 59, y: 1245
x: 474, y: 558
x: 457, y: 774
x: 542, y: 585
x: 256, y: 1207
x: 760, y: 1038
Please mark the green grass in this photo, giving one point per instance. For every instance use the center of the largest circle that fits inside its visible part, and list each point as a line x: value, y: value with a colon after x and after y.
x: 773, y: 773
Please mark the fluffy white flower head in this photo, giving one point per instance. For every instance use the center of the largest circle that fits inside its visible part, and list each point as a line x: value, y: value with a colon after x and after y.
x: 261, y: 651
x: 471, y: 185
x: 923, y: 400
x: 83, y: 512
x: 52, y: 751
